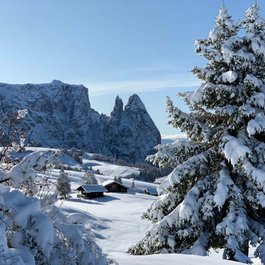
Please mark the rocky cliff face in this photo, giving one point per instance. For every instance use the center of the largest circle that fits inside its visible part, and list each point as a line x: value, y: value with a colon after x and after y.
x: 60, y: 115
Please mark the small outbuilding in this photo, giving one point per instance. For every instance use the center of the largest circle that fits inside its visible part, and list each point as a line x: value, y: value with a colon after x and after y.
x: 91, y: 191
x: 114, y: 186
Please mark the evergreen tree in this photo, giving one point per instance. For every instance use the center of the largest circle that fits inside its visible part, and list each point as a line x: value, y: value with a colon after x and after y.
x: 89, y: 178
x: 133, y: 184
x: 63, y: 184
x: 119, y: 180
x: 215, y: 196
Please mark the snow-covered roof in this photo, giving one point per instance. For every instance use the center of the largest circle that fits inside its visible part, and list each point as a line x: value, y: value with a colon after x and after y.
x: 107, y: 182
x: 90, y: 188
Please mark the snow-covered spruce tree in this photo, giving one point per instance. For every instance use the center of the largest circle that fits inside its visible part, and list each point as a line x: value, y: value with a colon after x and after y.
x: 119, y: 180
x: 63, y: 185
x: 89, y: 178
x: 215, y: 196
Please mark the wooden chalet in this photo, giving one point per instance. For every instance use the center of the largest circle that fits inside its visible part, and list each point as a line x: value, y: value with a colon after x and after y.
x: 91, y: 191
x: 114, y: 186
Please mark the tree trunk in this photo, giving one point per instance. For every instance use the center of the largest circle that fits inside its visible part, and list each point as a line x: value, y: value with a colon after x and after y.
x: 245, y: 248
x: 228, y: 254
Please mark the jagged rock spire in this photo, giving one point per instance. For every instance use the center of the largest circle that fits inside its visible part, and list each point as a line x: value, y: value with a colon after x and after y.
x: 134, y: 102
x: 118, y: 107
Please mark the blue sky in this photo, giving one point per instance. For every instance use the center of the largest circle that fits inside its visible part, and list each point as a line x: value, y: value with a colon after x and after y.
x: 113, y: 47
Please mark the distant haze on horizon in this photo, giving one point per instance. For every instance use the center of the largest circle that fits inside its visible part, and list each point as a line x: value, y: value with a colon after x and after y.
x: 112, y: 47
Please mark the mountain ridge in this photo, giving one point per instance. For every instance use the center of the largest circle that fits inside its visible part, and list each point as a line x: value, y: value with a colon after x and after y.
x: 60, y: 115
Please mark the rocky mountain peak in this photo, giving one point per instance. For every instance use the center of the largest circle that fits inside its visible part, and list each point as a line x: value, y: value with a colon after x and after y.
x: 60, y: 115
x: 135, y: 103
x: 118, y: 107
x: 57, y: 83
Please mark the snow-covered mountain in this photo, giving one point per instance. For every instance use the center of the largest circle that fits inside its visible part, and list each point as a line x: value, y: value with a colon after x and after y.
x: 60, y: 115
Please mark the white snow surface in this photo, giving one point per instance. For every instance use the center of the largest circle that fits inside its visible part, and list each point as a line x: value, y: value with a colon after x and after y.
x: 253, y: 81
x: 109, y: 169
x: 168, y: 259
x: 21, y: 114
x: 116, y: 171
x: 197, y: 95
x: 235, y: 150
x: 256, y: 125
x: 222, y: 188
x: 115, y: 220
x: 230, y: 76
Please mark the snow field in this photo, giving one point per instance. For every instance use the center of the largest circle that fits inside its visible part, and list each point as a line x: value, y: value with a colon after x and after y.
x: 115, y: 220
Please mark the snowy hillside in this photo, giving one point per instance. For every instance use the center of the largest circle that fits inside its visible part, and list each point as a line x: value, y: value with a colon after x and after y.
x: 113, y: 221
x: 117, y: 224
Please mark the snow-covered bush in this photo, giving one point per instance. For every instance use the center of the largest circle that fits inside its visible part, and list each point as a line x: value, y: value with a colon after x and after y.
x: 215, y: 196
x: 89, y: 178
x: 11, y: 135
x: 23, y: 175
x: 31, y: 234
x: 33, y: 230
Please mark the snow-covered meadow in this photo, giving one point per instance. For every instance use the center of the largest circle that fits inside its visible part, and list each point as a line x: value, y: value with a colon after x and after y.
x: 114, y: 221
x: 117, y: 224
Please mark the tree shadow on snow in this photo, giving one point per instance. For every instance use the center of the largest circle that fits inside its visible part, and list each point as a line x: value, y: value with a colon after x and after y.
x: 99, y: 200
x: 90, y: 164
x: 98, y: 222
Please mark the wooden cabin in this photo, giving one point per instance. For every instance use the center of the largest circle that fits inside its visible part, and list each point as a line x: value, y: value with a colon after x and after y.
x: 91, y: 191
x: 114, y: 186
